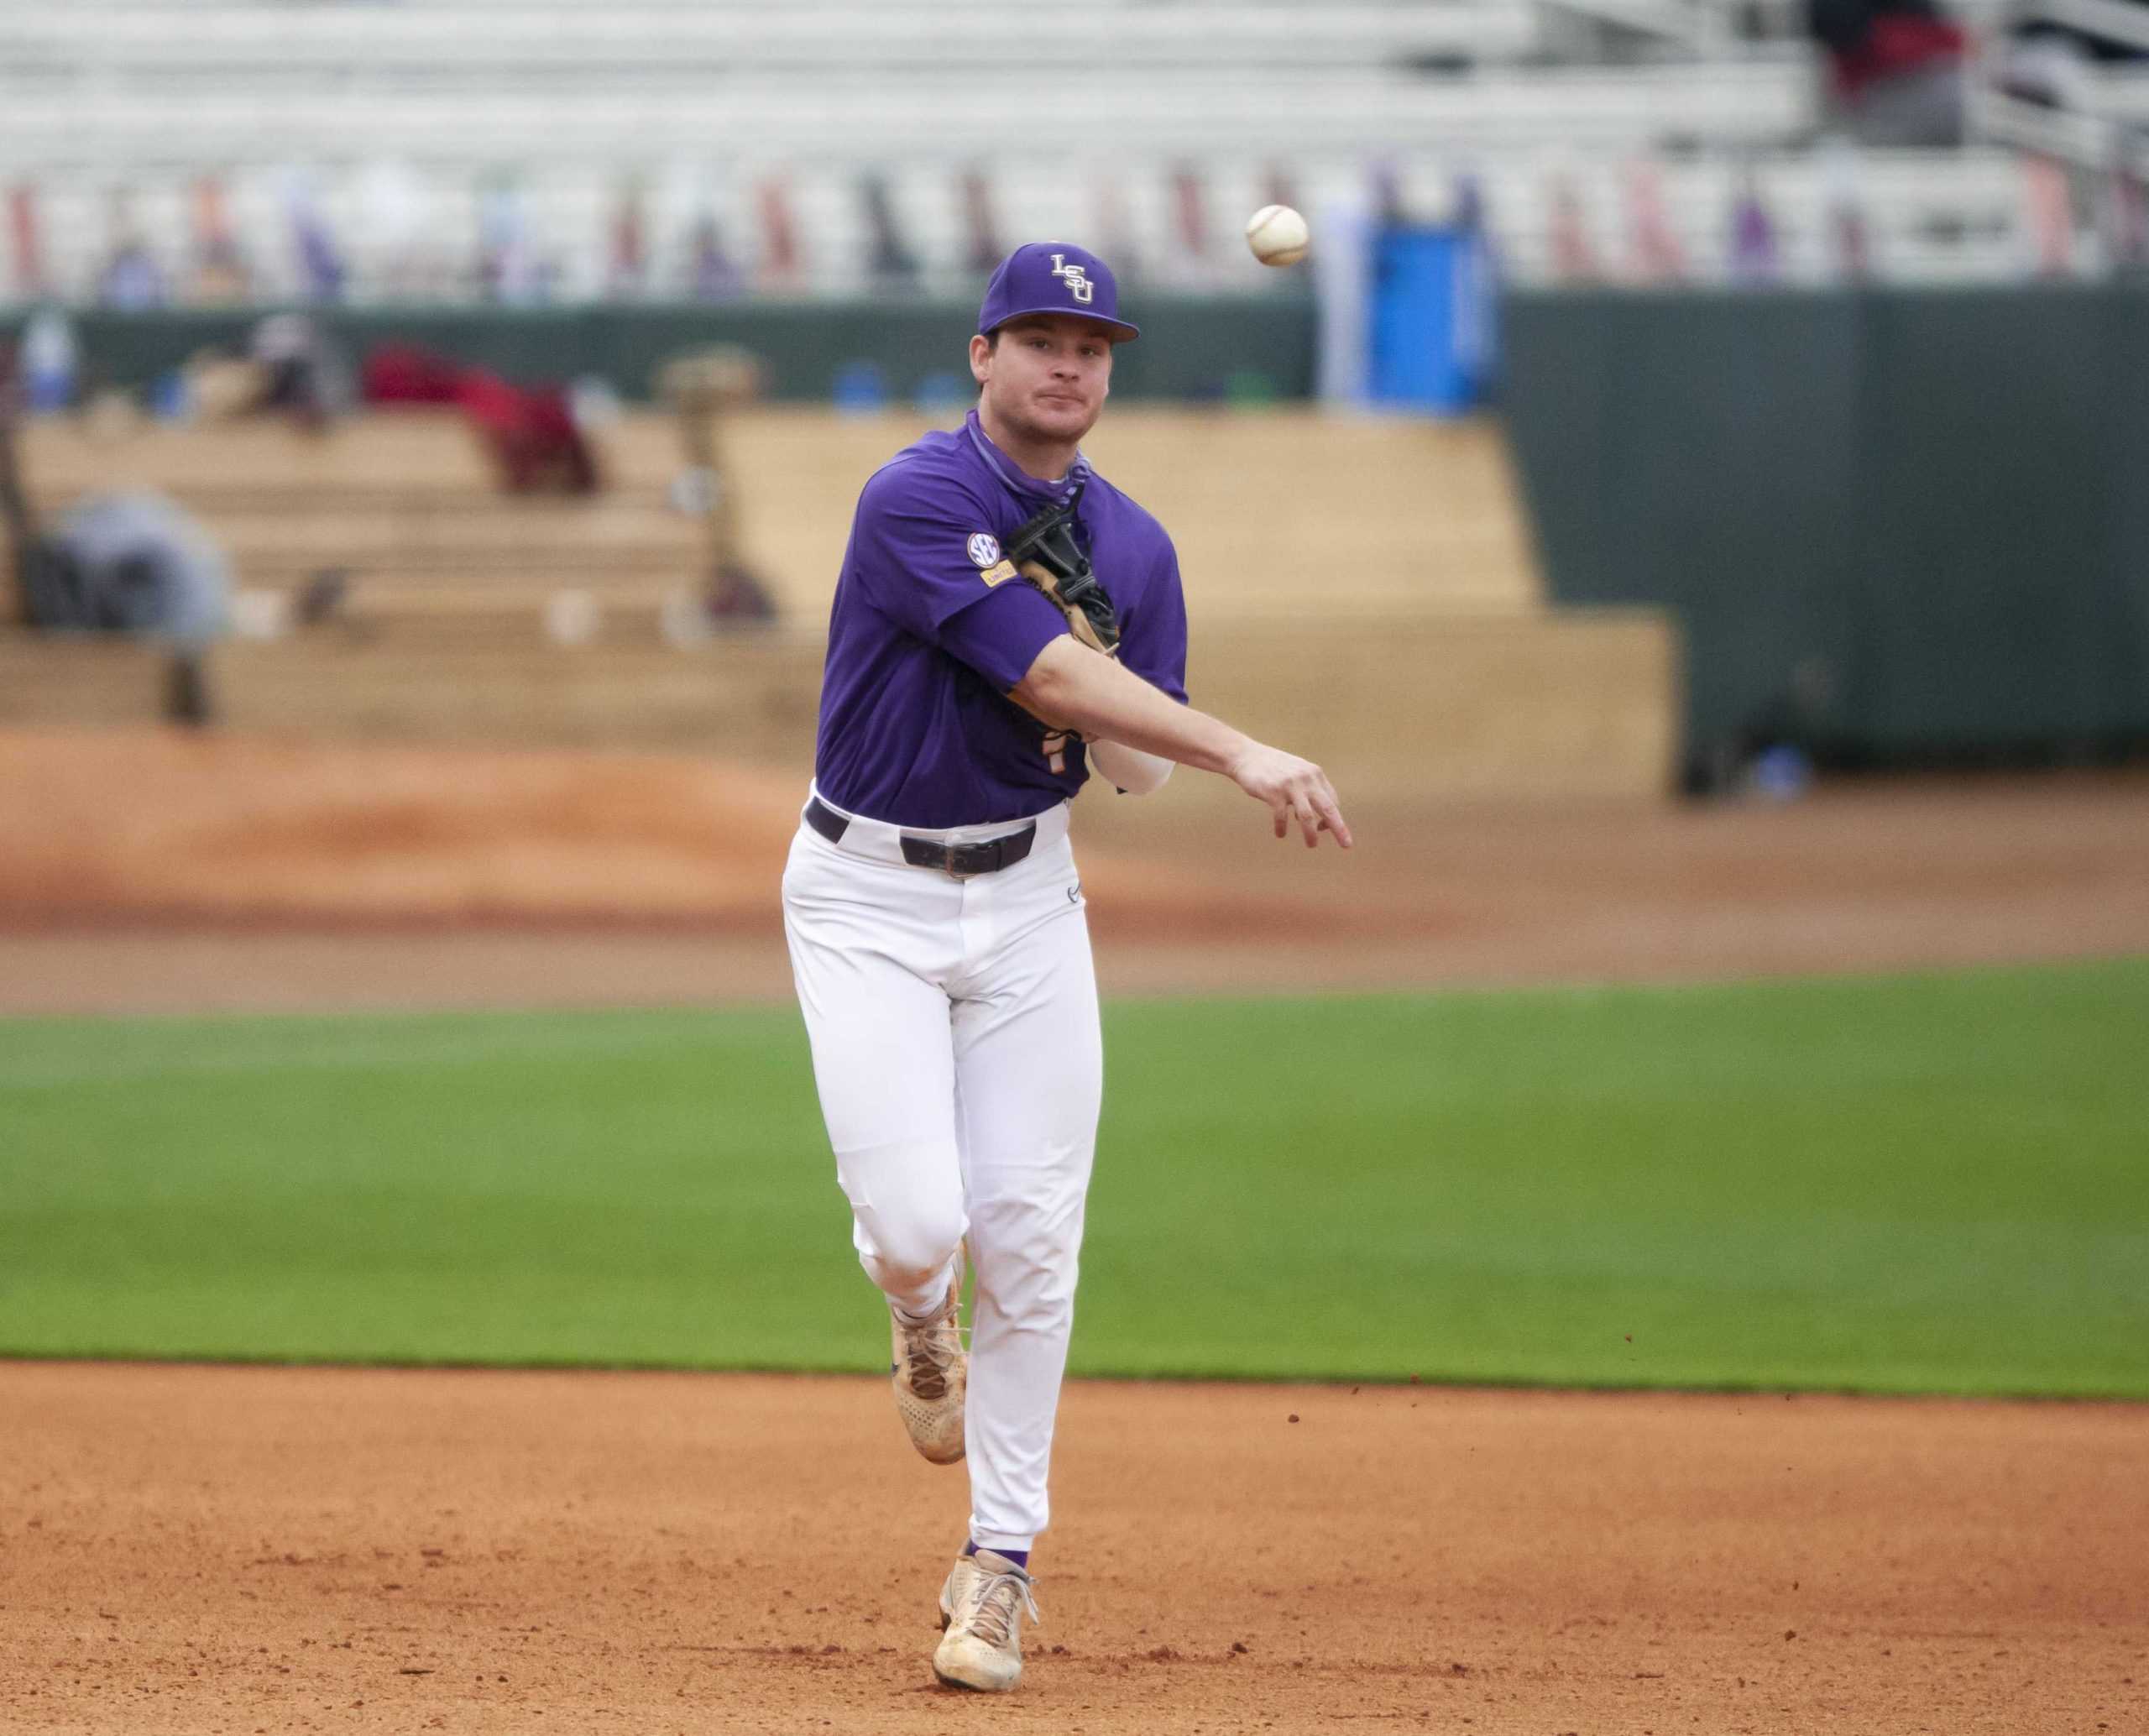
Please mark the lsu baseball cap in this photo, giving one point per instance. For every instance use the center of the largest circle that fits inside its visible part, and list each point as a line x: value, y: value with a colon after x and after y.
x: 1054, y: 277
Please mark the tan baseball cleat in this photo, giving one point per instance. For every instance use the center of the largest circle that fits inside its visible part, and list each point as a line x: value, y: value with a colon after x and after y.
x: 957, y: 1587
x: 930, y: 1374
x: 982, y: 1606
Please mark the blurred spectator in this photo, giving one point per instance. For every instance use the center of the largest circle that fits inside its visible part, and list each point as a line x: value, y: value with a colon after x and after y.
x: 509, y: 270
x: 130, y: 279
x: 2125, y: 213
x: 1190, y: 260
x: 1115, y: 231
x: 889, y: 260
x: 1574, y: 256
x: 982, y: 250
x: 124, y: 563
x: 536, y: 441
x: 1280, y: 187
x: 1467, y: 208
x: 1754, y: 258
x: 2049, y: 194
x: 23, y: 230
x: 1653, y: 249
x: 1384, y: 187
x: 1897, y: 67
x: 18, y: 524
x: 704, y: 387
x: 626, y: 265
x: 321, y: 270
x: 533, y: 435
x: 711, y: 274
x: 131, y: 563
x: 49, y: 361
x: 1850, y: 235
x: 1477, y: 290
x: 220, y: 268
x: 393, y: 207
x: 304, y: 371
x: 292, y: 366
x: 782, y: 262
x: 403, y: 373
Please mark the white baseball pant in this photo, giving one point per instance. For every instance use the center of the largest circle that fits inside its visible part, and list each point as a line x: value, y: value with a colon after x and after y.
x: 957, y: 1052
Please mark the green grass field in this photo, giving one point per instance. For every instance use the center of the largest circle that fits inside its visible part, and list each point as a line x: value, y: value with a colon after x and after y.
x: 1927, y: 1183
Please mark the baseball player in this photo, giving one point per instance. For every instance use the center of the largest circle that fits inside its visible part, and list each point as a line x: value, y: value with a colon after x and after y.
x: 1006, y: 621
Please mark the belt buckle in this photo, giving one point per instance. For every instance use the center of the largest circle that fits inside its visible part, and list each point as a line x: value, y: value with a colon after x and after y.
x: 960, y: 854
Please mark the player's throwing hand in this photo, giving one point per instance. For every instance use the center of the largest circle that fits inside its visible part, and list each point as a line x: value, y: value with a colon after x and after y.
x: 1294, y: 789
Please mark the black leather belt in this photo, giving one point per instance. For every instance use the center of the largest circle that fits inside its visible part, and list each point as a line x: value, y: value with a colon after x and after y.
x: 960, y: 859
x: 825, y: 820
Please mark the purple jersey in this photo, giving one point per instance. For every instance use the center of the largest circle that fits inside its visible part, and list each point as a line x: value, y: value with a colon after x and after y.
x: 931, y: 628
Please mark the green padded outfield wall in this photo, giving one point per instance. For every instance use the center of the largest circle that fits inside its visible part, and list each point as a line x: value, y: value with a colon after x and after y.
x: 1191, y: 347
x: 1894, y: 523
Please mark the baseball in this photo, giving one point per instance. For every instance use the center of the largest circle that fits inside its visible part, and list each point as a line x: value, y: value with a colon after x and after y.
x: 1278, y: 235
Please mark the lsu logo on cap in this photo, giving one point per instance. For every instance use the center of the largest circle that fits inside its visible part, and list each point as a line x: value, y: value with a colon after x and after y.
x: 984, y: 549
x: 1078, y: 280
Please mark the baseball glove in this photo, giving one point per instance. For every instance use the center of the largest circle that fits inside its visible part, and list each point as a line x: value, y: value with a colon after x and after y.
x: 1044, y: 552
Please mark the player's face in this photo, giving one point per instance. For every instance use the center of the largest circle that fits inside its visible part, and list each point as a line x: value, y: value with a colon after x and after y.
x: 1047, y: 377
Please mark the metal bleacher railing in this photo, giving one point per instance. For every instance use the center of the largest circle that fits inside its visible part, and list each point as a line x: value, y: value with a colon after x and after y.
x: 2097, y: 118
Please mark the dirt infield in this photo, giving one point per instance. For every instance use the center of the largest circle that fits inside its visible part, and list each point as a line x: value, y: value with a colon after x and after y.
x: 160, y: 872
x: 195, y: 1549
x: 201, y: 1549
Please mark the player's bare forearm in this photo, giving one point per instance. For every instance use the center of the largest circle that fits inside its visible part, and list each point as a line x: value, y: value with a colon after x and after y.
x: 1073, y: 686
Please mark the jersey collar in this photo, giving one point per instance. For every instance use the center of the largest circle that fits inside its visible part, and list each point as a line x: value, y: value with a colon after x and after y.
x: 1019, y: 480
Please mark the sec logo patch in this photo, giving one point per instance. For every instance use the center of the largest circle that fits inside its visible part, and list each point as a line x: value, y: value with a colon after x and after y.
x: 984, y: 549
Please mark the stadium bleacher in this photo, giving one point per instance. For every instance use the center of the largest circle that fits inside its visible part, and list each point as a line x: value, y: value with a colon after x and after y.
x: 1388, y: 557
x: 408, y: 127
x: 1398, y: 558
x: 1393, y: 515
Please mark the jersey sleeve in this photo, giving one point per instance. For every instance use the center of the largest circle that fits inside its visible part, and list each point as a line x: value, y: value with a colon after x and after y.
x: 916, y: 542
x: 1153, y: 629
